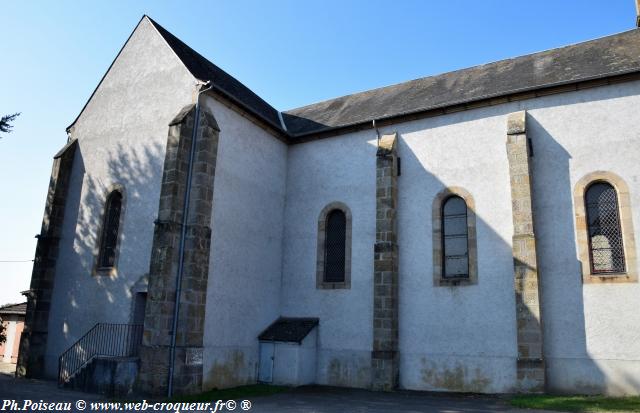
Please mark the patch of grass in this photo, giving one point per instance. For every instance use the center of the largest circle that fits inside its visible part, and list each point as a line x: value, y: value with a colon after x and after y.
x: 577, y: 403
x: 234, y: 393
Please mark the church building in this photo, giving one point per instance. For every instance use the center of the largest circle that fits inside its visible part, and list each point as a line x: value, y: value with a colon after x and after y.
x: 472, y: 231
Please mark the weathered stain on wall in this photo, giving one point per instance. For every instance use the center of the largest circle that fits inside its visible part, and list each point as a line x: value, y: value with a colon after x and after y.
x: 245, y: 268
x: 230, y: 372
x: 346, y: 373
x: 458, y: 378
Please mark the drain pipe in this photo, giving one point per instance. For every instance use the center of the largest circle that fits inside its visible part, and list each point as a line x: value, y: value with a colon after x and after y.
x: 183, y: 234
x: 377, y: 131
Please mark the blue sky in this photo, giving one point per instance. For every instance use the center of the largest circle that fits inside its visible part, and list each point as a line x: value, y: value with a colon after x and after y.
x: 291, y: 53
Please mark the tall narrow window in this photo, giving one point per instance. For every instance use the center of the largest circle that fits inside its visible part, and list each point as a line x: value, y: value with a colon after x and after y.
x: 333, y: 264
x: 455, y: 251
x: 455, y: 245
x: 606, y: 247
x: 109, y: 239
x: 334, y: 247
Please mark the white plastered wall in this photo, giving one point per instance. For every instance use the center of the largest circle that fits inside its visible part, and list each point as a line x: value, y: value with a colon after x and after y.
x: 245, y: 266
x: 464, y: 338
x: 340, y: 169
x: 592, y: 331
x: 122, y: 136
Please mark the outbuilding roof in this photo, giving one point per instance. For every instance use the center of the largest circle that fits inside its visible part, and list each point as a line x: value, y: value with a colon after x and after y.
x: 289, y: 329
x: 20, y: 308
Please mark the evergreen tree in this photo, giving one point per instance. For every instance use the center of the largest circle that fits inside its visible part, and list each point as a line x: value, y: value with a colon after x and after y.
x: 5, y: 122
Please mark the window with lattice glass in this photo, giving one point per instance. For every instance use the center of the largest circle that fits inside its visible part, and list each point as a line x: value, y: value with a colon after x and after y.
x: 335, y: 247
x: 109, y: 239
x: 455, y: 238
x: 606, y: 248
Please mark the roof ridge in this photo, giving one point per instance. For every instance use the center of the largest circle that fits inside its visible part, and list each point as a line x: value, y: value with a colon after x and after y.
x: 11, y: 304
x: 600, y: 58
x: 15, y: 308
x: 586, y: 60
x: 463, y: 69
x: 222, y: 81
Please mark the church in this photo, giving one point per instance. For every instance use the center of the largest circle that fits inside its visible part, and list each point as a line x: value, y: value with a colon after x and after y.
x: 472, y: 231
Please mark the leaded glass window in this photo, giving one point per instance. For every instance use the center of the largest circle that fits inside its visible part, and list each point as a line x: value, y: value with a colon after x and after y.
x: 334, y: 246
x: 455, y: 239
x: 606, y: 248
x: 109, y: 240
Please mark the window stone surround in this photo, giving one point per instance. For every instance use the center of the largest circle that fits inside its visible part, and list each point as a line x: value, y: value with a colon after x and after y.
x: 626, y: 223
x: 322, y: 234
x: 436, y: 220
x: 109, y: 271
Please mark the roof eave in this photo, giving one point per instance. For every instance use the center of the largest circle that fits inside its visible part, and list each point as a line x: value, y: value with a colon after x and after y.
x: 235, y: 101
x: 399, y: 117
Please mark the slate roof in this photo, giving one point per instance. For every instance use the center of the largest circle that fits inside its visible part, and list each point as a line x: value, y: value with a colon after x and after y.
x: 202, y: 69
x: 289, y: 329
x: 14, y: 309
x: 609, y: 56
x: 604, y: 57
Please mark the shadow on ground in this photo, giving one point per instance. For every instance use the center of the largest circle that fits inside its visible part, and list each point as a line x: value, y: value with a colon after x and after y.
x: 320, y: 399
x: 307, y: 399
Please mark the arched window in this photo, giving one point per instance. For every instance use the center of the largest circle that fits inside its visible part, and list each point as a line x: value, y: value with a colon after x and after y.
x: 604, y: 229
x: 455, y: 251
x: 334, y: 247
x: 455, y: 242
x: 606, y: 249
x: 110, y: 227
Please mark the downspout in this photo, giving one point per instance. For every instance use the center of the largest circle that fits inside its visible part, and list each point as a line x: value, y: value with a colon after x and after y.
x: 377, y: 132
x: 183, y: 234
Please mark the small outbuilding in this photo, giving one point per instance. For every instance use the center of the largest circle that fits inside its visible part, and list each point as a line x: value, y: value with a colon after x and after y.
x: 12, y: 317
x: 288, y: 352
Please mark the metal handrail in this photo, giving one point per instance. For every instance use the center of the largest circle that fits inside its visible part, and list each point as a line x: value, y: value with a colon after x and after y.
x: 103, y: 339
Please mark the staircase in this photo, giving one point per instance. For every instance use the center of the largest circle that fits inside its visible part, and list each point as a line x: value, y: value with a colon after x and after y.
x: 104, y: 360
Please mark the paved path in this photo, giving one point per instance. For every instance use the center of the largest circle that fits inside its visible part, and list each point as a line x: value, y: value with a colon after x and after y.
x: 12, y: 388
x: 312, y: 399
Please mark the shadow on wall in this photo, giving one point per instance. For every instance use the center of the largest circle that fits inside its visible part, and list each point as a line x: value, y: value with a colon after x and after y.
x: 558, y: 274
x: 570, y: 367
x: 84, y: 297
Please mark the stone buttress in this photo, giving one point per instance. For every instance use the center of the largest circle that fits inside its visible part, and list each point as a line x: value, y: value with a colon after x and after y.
x: 384, y: 357
x: 33, y: 342
x: 530, y: 363
x: 155, y: 350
